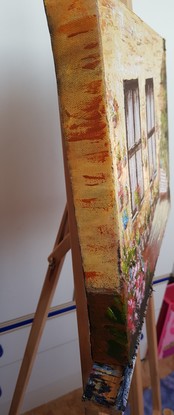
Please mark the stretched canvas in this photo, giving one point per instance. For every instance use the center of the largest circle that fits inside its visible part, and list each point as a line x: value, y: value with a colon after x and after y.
x: 110, y: 69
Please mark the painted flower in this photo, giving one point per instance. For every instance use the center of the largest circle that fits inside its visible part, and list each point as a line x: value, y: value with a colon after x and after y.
x: 135, y: 271
x: 131, y: 306
x: 131, y: 325
x: 125, y: 219
x: 120, y: 196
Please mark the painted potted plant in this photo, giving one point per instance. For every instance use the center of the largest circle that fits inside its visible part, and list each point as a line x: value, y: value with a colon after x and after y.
x: 125, y: 219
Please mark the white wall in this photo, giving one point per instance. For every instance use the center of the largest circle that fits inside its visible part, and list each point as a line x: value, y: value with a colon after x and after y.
x: 32, y: 200
x: 32, y: 193
x: 31, y: 180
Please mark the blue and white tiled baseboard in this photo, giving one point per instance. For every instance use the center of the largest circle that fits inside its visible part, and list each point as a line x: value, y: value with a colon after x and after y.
x: 56, y: 369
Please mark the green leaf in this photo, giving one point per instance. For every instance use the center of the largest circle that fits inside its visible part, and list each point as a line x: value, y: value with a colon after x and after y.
x: 110, y: 314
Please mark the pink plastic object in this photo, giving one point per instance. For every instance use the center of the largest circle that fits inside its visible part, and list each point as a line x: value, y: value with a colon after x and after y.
x: 165, y: 325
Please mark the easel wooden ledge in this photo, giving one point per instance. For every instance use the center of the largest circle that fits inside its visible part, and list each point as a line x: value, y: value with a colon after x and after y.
x: 67, y: 238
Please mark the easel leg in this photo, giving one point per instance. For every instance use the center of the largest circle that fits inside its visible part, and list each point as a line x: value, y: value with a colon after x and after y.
x: 153, y: 357
x: 38, y: 325
x: 79, y: 282
x: 136, y: 390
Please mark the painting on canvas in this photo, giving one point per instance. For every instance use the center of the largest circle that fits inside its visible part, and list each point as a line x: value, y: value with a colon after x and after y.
x: 110, y: 69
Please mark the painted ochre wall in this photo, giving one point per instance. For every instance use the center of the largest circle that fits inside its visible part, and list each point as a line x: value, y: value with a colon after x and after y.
x: 131, y: 50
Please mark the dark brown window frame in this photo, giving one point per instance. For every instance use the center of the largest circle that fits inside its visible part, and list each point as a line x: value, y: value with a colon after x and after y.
x: 132, y: 86
x: 149, y: 90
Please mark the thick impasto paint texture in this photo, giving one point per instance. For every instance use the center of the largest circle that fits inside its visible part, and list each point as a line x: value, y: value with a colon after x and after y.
x: 110, y: 70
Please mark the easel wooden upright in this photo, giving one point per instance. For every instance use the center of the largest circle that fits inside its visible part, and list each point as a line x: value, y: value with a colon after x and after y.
x: 67, y: 238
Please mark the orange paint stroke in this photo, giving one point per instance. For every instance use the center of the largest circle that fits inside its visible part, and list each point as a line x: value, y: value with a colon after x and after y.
x: 95, y: 180
x: 91, y: 45
x: 76, y: 5
x: 101, y: 177
x: 90, y: 185
x: 78, y: 33
x: 91, y: 65
x: 95, y: 103
x: 102, y: 248
x: 93, y: 274
x: 90, y: 135
x: 96, y: 55
x: 94, y: 131
x: 93, y: 87
x: 94, y: 115
x: 99, y: 157
x: 89, y: 201
x: 104, y: 230
x: 83, y: 24
x: 100, y: 125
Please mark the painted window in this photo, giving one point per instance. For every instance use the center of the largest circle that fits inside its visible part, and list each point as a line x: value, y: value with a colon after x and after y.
x: 134, y: 145
x: 150, y: 119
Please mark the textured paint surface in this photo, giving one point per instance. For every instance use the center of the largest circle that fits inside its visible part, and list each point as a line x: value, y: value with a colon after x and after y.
x: 103, y: 385
x: 76, y: 44
x: 110, y: 70
x: 107, y: 314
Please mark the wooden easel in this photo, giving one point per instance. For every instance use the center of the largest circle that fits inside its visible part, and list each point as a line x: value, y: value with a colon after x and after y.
x: 67, y: 238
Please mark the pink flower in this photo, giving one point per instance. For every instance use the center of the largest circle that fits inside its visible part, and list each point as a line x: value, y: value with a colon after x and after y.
x: 131, y: 325
x: 131, y: 306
